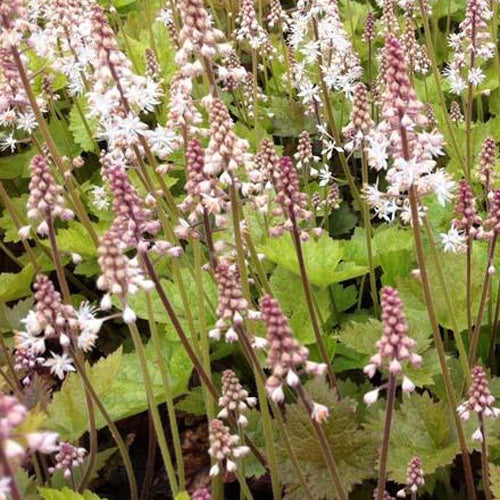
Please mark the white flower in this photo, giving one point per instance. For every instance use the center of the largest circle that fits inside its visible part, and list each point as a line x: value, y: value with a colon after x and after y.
x: 5, y: 487
x: 476, y: 76
x: 31, y: 322
x: 453, y: 241
x: 162, y: 141
x: 214, y: 470
x: 13, y: 449
x: 478, y: 435
x: 325, y: 176
x: 408, y: 385
x: 45, y: 442
x: 371, y: 397
x: 8, y: 142
x: 59, y: 364
x: 320, y: 413
x: 442, y: 185
x: 99, y: 198
x: 26, y: 340
x: 292, y: 379
x: 241, y: 451
x: 259, y: 343
x: 24, y: 232
x: 128, y: 315
x: 278, y: 396
x: 308, y: 92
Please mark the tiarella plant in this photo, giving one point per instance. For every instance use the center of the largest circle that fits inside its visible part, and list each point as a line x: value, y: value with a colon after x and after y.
x: 249, y: 249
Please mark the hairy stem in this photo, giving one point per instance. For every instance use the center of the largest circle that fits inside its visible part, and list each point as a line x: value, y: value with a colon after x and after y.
x: 155, y: 414
x: 482, y: 303
x: 429, y: 301
x: 306, y: 285
x: 484, y: 459
x: 386, y: 438
x: 172, y: 420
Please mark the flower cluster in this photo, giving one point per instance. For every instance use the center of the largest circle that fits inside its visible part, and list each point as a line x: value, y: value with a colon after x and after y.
x: 203, y: 193
x: 121, y: 275
x: 292, y: 203
x: 224, y: 448
x: 249, y: 28
x: 232, y: 307
x: 480, y: 401
x: 67, y: 458
x: 395, y: 346
x: 487, y: 162
x: 285, y: 354
x: 470, y: 46
x: 401, y: 137
x: 46, y: 201
x: 360, y: 123
x: 198, y: 38
x: 317, y: 33
x: 15, y: 442
x: 225, y: 151
x: 131, y: 218
x: 234, y: 398
x: 414, y: 478
x: 52, y: 319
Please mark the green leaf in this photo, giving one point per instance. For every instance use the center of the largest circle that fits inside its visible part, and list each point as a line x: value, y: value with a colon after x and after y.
x: 322, y: 258
x: 495, y: 479
x: 139, y: 305
x: 6, y: 222
x: 16, y: 285
x: 354, y: 448
x: 66, y: 413
x: 193, y: 403
x: 10, y: 317
x: 361, y: 337
x: 454, y: 270
x: 17, y: 165
x: 26, y: 485
x: 75, y: 239
x: 420, y: 427
x: 66, y: 494
x: 118, y: 381
x: 81, y: 136
x: 288, y: 119
x: 287, y: 288
x: 254, y: 429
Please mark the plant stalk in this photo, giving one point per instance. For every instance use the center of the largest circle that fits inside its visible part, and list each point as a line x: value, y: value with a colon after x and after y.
x: 386, y: 439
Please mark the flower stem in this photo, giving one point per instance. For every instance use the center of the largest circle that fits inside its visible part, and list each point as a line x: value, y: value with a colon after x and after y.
x: 162, y: 366
x: 56, y: 256
x: 449, y: 303
x: 260, y: 378
x: 450, y: 392
x: 189, y: 350
x: 484, y: 459
x: 484, y: 295
x: 324, y: 445
x: 44, y: 129
x: 155, y: 414
x: 386, y: 438
x: 306, y: 285
x: 368, y: 234
x: 109, y: 422
x: 437, y: 79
